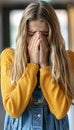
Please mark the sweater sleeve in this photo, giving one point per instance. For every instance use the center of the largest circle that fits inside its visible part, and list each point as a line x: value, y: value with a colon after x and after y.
x: 16, y: 97
x: 71, y: 55
x: 57, y: 101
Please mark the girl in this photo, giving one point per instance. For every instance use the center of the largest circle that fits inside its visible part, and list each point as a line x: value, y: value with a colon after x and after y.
x: 37, y: 78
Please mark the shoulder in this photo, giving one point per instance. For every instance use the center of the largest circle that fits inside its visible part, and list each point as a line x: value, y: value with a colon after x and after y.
x: 7, y: 55
x: 7, y: 51
x: 71, y: 54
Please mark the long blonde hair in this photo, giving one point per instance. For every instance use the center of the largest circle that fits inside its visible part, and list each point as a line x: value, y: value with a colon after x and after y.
x: 60, y: 62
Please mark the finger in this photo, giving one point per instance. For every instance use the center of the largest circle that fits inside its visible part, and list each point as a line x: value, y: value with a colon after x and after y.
x: 33, y: 41
x: 36, y: 43
x: 45, y: 41
x: 31, y: 44
x: 42, y: 44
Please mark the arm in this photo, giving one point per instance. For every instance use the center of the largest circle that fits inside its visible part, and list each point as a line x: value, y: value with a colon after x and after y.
x: 55, y: 96
x: 71, y: 55
x: 16, y: 98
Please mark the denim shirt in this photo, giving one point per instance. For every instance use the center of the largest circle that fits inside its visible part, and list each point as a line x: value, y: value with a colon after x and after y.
x: 37, y: 116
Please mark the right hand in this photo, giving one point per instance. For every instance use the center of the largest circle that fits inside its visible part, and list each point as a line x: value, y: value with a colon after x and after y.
x: 33, y: 49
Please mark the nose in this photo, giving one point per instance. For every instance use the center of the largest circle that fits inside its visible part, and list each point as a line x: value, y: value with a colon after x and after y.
x: 39, y: 34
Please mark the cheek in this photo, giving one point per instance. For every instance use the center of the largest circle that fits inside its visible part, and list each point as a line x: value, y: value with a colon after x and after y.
x: 49, y: 40
x: 28, y: 40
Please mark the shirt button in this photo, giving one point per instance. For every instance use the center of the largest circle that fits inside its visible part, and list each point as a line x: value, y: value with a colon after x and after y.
x: 39, y: 115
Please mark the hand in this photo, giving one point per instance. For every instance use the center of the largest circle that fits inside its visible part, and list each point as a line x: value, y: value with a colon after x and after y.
x: 44, y: 52
x: 38, y: 49
x: 33, y: 49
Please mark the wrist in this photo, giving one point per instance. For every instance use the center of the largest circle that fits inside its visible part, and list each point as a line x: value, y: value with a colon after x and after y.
x: 44, y: 65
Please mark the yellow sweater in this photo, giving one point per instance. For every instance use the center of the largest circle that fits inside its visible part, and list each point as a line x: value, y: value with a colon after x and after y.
x: 16, y: 98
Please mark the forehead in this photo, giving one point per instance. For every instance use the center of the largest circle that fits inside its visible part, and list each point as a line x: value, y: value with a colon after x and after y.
x: 37, y: 25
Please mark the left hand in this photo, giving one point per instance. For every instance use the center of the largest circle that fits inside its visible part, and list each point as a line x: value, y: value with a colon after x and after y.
x: 44, y: 52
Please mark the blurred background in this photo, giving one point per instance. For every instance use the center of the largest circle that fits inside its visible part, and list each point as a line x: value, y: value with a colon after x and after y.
x: 10, y: 15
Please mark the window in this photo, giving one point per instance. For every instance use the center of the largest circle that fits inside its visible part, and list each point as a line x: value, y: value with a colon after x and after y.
x: 15, y: 17
x: 63, y: 20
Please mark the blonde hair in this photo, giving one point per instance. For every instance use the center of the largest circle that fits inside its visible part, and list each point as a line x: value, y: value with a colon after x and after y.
x: 60, y: 62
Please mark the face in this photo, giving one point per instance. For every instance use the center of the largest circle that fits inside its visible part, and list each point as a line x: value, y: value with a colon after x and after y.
x: 37, y: 28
